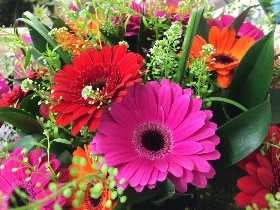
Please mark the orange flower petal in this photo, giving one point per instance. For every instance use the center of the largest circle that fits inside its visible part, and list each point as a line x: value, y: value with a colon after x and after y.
x: 224, y: 80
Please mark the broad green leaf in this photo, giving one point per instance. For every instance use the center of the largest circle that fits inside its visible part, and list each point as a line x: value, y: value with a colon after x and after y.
x: 30, y: 104
x: 203, y: 29
x: 164, y: 190
x: 275, y: 105
x: 29, y: 142
x: 253, y: 75
x: 63, y: 141
x: 65, y: 159
x: 192, y: 26
x: 242, y: 135
x: 22, y: 120
x: 238, y: 21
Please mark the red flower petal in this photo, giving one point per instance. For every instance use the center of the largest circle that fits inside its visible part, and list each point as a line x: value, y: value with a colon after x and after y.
x: 248, y: 185
x: 243, y: 199
x: 259, y: 199
x: 266, y: 177
x: 264, y: 161
x: 252, y: 170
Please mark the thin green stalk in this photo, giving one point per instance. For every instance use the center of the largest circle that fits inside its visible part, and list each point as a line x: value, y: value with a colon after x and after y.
x: 226, y: 100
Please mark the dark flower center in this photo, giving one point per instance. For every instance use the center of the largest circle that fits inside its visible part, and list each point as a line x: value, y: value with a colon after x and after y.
x: 17, y: 200
x: 152, y: 140
x: 91, y: 203
x: 98, y: 85
x: 276, y: 185
x: 224, y: 59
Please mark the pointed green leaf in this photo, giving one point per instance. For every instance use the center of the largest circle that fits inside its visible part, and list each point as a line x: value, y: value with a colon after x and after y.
x: 275, y: 105
x: 63, y: 141
x: 203, y: 29
x: 30, y: 104
x: 40, y: 37
x: 238, y: 21
x: 65, y: 159
x: 242, y: 135
x: 21, y: 119
x: 253, y: 75
x: 192, y: 26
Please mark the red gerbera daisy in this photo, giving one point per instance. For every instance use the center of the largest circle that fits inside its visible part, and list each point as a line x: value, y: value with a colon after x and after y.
x: 263, y: 174
x: 108, y: 72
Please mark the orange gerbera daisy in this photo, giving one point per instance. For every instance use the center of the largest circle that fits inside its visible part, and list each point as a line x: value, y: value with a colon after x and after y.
x: 229, y: 52
x: 88, y: 203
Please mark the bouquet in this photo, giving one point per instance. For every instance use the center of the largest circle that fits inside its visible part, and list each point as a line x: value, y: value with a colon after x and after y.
x: 151, y: 105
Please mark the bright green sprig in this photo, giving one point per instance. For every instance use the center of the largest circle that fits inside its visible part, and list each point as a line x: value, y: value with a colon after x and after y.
x: 163, y: 58
x: 199, y: 75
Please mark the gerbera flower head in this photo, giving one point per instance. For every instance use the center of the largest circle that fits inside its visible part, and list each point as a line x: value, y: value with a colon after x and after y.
x: 158, y: 131
x: 83, y: 170
x: 13, y: 98
x: 246, y: 29
x: 15, y: 174
x: 263, y: 174
x: 228, y: 52
x: 104, y: 75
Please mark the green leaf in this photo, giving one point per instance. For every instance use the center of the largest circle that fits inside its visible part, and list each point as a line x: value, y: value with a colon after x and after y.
x: 242, y: 135
x: 59, y: 23
x: 65, y: 159
x: 29, y: 142
x: 40, y: 37
x: 275, y: 105
x: 238, y: 21
x: 192, y: 26
x: 22, y: 120
x: 64, y: 141
x: 30, y: 104
x: 114, y: 40
x: 203, y: 29
x: 134, y: 197
x: 164, y: 190
x: 253, y: 75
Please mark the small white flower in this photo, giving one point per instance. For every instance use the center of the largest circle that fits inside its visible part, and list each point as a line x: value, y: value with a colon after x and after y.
x: 26, y: 85
x: 41, y: 12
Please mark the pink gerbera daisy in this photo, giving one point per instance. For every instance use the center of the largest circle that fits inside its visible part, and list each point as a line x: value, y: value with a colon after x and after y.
x: 15, y: 174
x: 108, y: 72
x: 158, y: 131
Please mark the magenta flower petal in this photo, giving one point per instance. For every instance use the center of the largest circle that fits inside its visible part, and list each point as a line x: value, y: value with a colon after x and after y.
x: 13, y: 175
x: 178, y: 111
x: 187, y: 148
x: 163, y: 133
